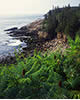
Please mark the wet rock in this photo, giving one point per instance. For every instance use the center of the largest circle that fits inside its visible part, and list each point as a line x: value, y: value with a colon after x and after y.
x: 7, y: 60
x: 25, y: 48
x: 12, y: 29
x: 24, y: 28
x: 19, y: 32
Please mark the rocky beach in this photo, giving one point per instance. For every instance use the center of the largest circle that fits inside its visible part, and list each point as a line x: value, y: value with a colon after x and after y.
x: 35, y: 38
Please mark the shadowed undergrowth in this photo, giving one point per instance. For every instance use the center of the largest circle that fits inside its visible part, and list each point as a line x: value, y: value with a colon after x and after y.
x: 48, y: 75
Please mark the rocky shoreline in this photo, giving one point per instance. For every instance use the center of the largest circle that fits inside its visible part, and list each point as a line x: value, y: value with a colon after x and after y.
x: 35, y: 38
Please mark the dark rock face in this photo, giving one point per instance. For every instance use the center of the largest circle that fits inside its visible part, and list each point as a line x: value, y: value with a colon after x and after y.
x: 7, y: 60
x: 34, y: 30
x: 24, y: 28
x: 19, y: 32
x: 11, y: 29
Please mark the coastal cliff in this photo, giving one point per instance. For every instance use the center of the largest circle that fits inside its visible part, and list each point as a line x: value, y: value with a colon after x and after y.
x: 36, y: 38
x: 49, y: 66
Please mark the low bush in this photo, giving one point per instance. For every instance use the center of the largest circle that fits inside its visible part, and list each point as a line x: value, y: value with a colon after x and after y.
x: 51, y: 76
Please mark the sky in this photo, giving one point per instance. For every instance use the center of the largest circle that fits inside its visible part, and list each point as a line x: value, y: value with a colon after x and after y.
x: 15, y: 7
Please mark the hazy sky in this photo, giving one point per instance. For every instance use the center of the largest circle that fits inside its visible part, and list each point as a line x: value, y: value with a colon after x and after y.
x: 31, y: 6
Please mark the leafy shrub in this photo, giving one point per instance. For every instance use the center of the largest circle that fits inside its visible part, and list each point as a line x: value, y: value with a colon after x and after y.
x: 52, y: 75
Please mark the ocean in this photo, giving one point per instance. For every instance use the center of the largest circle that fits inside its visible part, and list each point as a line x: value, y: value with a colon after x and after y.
x: 8, y: 43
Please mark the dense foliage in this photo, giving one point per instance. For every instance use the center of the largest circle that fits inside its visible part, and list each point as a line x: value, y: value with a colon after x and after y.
x: 65, y: 20
x: 55, y: 75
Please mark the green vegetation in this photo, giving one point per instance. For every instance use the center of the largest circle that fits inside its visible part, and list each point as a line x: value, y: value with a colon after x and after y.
x: 50, y: 75
x: 65, y: 20
x: 53, y: 75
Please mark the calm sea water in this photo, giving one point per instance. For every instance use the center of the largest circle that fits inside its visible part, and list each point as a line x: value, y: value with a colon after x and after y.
x: 7, y: 43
